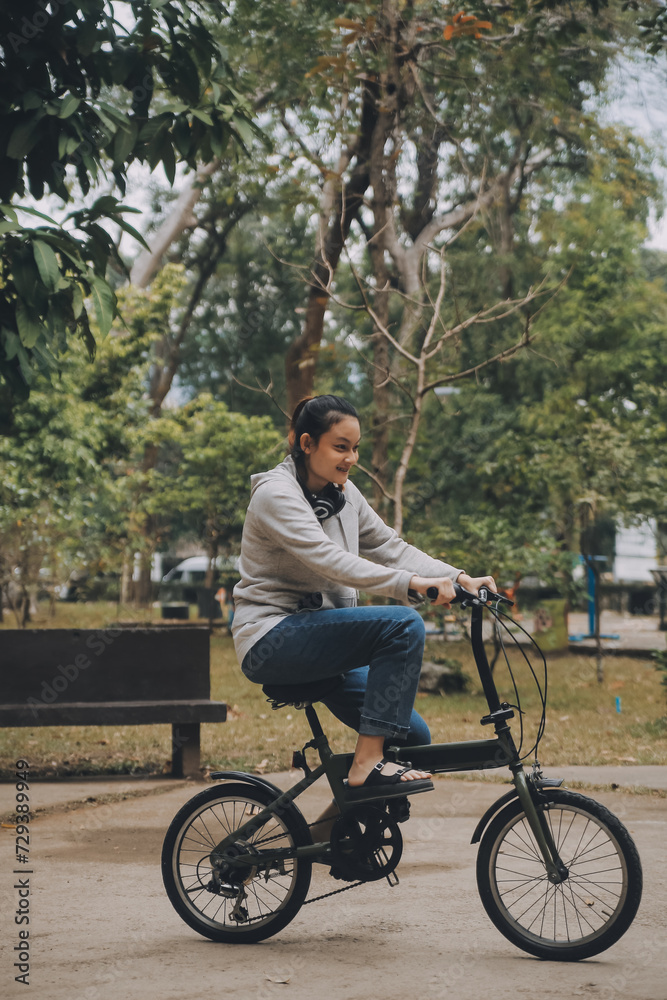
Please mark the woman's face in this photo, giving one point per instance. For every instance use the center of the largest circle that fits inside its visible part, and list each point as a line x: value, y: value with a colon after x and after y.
x: 330, y: 459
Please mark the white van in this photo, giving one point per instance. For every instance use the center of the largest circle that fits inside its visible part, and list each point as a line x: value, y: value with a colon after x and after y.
x: 193, y: 570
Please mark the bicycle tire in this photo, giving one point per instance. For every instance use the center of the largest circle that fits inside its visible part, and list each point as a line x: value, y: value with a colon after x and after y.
x: 272, y: 899
x: 585, y: 914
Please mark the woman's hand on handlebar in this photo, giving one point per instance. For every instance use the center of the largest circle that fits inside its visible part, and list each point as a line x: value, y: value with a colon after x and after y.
x: 473, y: 583
x: 428, y: 585
x: 444, y: 586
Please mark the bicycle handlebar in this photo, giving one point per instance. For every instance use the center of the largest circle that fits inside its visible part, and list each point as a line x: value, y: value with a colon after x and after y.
x: 465, y: 598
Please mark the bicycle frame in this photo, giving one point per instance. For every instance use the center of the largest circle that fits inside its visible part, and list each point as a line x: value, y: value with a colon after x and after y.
x: 472, y: 755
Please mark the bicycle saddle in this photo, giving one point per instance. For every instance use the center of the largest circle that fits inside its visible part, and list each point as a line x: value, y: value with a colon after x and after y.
x: 300, y: 695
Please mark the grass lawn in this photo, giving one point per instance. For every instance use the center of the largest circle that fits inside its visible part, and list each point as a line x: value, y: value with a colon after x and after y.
x: 583, y: 725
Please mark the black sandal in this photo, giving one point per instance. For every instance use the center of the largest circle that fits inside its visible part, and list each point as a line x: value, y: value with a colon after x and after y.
x: 386, y: 786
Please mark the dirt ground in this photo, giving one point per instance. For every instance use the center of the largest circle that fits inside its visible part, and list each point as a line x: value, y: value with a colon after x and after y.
x: 101, y: 926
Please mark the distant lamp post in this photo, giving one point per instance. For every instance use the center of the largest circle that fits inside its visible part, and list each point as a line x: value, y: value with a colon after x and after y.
x: 660, y: 579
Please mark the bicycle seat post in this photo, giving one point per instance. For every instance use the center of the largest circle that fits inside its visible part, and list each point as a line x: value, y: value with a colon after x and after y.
x: 314, y: 723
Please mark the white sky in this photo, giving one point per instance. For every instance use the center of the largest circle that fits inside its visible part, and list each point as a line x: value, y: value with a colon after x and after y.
x: 640, y: 100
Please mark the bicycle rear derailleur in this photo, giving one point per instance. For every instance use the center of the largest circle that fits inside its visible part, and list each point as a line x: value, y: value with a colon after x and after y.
x: 366, y: 845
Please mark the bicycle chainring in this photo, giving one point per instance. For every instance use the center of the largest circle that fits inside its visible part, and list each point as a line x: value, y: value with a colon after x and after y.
x: 366, y: 844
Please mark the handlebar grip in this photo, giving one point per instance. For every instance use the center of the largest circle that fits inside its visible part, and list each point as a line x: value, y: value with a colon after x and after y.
x: 461, y: 594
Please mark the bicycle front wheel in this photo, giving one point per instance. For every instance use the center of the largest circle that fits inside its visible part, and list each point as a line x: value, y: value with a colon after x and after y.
x: 587, y: 912
x: 243, y: 902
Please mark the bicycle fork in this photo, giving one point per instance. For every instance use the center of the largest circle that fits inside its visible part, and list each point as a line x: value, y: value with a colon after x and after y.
x: 557, y: 872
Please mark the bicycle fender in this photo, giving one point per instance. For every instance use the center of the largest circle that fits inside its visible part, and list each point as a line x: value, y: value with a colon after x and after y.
x: 490, y: 813
x: 248, y: 779
x: 504, y: 799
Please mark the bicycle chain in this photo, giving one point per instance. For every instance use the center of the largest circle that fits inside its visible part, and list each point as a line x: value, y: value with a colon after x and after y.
x: 335, y: 892
x: 325, y: 895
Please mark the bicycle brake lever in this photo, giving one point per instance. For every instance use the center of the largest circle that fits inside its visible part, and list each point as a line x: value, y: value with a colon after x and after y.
x: 486, y: 595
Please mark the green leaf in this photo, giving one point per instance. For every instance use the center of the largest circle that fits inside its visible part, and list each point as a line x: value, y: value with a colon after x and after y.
x: 31, y: 100
x: 47, y: 264
x: 244, y: 131
x: 23, y: 138
x: 68, y: 106
x: 24, y: 364
x: 176, y: 107
x: 77, y: 300
x: 7, y: 227
x: 103, y: 206
x: 66, y: 245
x: 25, y: 274
x: 104, y: 302
x: 203, y: 116
x: 42, y: 351
x: 11, y: 343
x: 168, y: 159
x: 33, y: 211
x: 119, y: 116
x: 124, y: 143
x: 29, y: 329
x: 126, y: 227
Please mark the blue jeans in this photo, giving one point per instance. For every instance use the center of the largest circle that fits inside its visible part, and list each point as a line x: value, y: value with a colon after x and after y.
x: 378, y: 649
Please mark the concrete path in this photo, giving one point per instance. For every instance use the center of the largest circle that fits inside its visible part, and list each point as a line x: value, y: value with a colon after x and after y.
x: 101, y: 926
x: 639, y: 632
x: 54, y: 796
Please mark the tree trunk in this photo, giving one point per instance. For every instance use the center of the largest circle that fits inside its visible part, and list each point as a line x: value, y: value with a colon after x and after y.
x: 347, y: 200
x: 181, y: 218
x: 126, y: 594
x: 168, y: 354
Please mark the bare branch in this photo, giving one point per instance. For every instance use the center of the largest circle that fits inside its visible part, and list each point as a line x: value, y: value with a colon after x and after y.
x: 456, y: 217
x: 367, y: 472
x: 266, y: 390
x: 490, y: 315
x: 526, y: 339
x: 390, y: 377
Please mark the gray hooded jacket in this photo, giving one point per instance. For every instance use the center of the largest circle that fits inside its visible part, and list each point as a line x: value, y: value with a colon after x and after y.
x: 291, y: 562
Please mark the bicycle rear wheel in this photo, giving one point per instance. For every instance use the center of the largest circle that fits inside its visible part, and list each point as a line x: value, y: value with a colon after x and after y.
x: 586, y: 913
x: 241, y: 903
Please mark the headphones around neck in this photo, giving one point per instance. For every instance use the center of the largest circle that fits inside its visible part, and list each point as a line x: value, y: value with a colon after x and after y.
x: 327, y: 503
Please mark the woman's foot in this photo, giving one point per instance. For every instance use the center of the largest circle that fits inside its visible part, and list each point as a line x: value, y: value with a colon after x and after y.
x: 360, y: 771
x: 387, y: 780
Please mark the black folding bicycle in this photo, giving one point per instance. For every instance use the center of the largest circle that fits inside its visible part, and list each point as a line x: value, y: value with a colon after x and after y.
x: 557, y: 873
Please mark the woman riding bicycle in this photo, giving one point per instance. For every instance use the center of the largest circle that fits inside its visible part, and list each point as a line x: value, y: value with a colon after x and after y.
x: 310, y: 542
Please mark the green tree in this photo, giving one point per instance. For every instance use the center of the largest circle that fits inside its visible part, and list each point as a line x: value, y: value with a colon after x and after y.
x: 538, y: 452
x: 83, y: 97
x: 63, y: 468
x: 202, y: 481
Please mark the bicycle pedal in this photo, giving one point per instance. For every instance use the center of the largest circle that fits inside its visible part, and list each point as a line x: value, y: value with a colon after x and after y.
x: 392, y: 879
x: 399, y: 809
x: 337, y: 874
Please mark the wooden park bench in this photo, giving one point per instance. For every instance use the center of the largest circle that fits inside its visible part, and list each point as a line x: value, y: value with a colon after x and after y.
x: 111, y: 676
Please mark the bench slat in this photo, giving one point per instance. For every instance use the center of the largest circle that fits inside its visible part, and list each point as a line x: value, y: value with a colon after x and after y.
x: 120, y: 713
x: 116, y: 677
x: 101, y: 665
